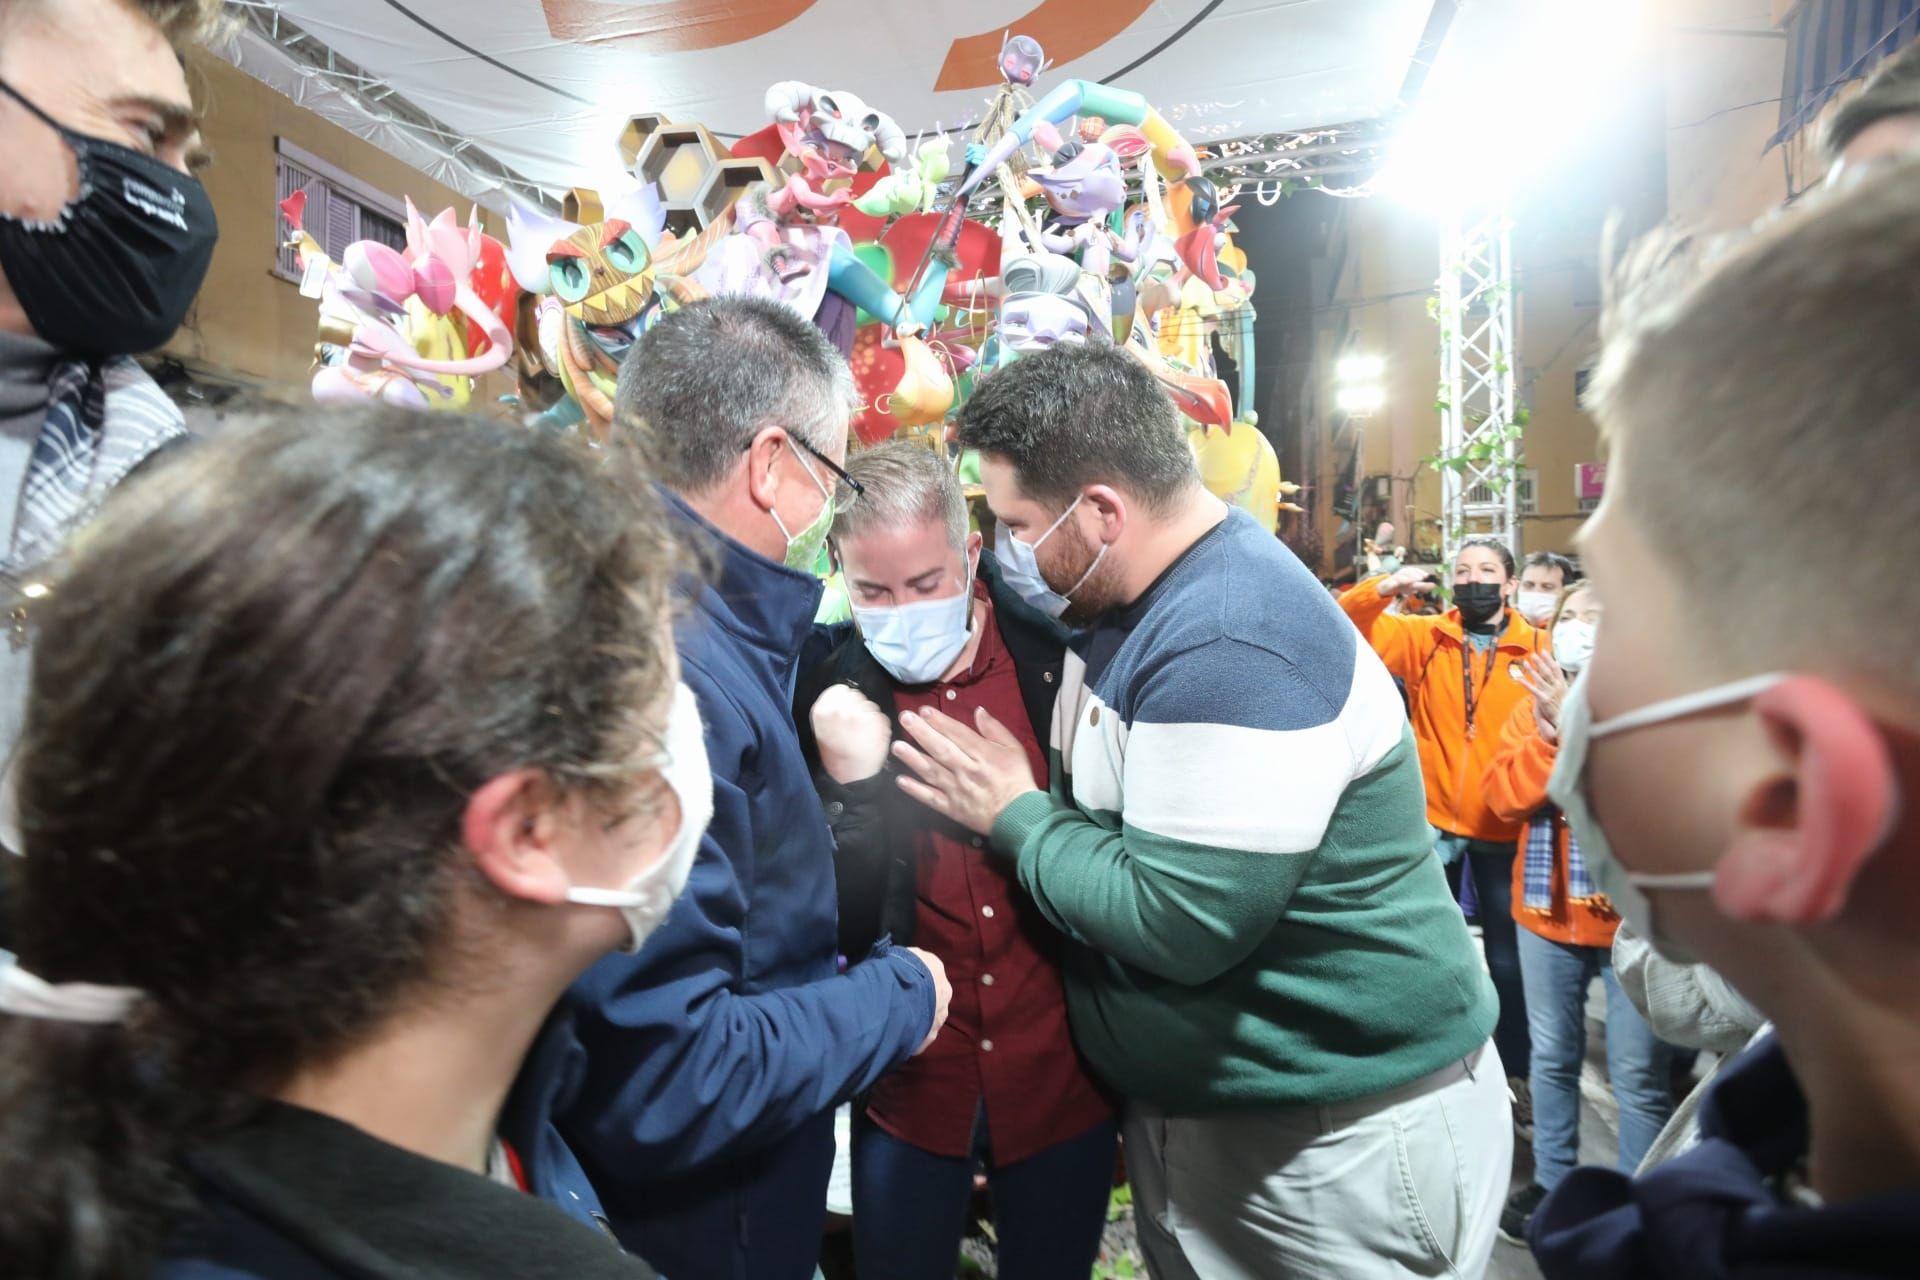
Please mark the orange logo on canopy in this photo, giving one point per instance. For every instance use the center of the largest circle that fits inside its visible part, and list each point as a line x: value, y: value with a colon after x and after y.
x: 679, y: 26
x: 1066, y: 29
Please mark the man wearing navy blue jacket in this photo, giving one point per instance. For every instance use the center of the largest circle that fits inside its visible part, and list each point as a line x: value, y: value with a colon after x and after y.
x: 700, y: 1098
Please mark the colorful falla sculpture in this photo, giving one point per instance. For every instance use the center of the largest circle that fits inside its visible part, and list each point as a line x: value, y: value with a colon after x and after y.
x: 412, y: 328
x: 599, y: 283
x: 1109, y: 231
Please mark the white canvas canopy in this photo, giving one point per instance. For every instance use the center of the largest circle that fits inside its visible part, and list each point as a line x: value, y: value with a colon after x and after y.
x: 543, y: 86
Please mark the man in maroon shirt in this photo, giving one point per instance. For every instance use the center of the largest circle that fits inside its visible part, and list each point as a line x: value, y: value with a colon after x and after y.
x: 1002, y: 1087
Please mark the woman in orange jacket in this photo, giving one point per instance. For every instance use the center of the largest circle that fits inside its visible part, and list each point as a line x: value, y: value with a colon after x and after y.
x: 1461, y: 669
x: 1566, y: 928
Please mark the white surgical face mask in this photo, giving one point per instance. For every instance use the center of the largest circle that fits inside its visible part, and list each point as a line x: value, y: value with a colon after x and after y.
x: 1567, y: 788
x: 917, y: 642
x: 1573, y: 643
x: 651, y: 894
x: 1536, y: 606
x: 1021, y: 568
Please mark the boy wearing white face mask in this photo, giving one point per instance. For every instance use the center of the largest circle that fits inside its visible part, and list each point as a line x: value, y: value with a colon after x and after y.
x: 1002, y: 1086
x: 1565, y: 935
x: 1741, y: 777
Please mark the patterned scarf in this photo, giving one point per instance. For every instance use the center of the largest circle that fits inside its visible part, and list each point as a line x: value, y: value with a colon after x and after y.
x: 1537, y: 878
x: 103, y: 420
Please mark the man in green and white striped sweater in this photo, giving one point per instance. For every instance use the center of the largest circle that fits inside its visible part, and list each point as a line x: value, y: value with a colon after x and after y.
x: 1270, y: 965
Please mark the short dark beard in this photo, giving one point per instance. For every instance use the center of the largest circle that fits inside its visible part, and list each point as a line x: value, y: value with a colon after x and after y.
x: 1095, y: 597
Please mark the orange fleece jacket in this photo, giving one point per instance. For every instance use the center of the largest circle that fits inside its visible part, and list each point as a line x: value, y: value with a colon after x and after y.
x: 1430, y: 655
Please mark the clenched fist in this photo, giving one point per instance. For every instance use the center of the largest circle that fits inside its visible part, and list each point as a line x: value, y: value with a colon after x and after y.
x: 852, y: 733
x: 942, y: 995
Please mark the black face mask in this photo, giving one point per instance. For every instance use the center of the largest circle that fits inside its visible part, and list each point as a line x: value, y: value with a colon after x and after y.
x: 115, y: 272
x: 1479, y: 602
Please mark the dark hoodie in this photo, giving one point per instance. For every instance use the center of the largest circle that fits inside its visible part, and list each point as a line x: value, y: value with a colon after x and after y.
x: 1719, y: 1212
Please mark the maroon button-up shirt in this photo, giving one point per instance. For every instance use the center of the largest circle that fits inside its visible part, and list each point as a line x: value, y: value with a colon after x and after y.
x: 1006, y: 1041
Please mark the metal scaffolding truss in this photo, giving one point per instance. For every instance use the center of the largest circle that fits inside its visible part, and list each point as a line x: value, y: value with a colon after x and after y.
x: 1479, y: 418
x: 442, y: 151
x: 1264, y: 166
x: 1307, y: 157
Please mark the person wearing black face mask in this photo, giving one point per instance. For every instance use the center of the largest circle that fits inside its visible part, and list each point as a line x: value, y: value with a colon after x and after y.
x: 1461, y: 670
x: 105, y: 238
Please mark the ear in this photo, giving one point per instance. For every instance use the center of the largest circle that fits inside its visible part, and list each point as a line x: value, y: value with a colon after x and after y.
x: 974, y: 542
x: 510, y: 828
x: 763, y: 477
x: 1109, y: 507
x: 1806, y: 828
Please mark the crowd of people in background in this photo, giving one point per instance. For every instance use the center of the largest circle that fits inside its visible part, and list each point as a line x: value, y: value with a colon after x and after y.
x: 448, y: 850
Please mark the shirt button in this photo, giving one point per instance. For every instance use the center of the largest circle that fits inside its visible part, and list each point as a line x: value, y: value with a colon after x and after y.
x: 835, y: 809
x: 987, y: 912
x: 978, y: 843
x: 1047, y: 676
x: 986, y: 1046
x: 986, y: 979
x: 952, y: 694
x: 1093, y: 716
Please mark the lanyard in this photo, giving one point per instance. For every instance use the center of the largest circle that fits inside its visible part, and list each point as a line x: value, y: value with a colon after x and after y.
x: 1471, y: 694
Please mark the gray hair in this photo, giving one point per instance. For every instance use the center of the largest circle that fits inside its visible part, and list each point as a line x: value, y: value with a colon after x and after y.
x: 903, y: 484
x: 704, y: 380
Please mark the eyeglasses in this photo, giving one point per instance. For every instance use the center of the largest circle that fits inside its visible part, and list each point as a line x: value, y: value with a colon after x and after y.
x: 839, y: 474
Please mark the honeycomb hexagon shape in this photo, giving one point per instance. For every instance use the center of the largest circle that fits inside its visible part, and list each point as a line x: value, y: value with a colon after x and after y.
x: 726, y: 183
x: 633, y: 139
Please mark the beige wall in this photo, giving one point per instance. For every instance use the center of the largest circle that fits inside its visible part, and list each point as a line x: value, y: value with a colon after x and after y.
x: 1391, y: 275
x: 1722, y: 105
x: 248, y: 321
x: 1394, y: 262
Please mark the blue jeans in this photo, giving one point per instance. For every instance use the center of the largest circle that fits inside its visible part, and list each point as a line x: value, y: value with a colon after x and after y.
x: 910, y: 1206
x: 1490, y: 863
x: 1557, y: 976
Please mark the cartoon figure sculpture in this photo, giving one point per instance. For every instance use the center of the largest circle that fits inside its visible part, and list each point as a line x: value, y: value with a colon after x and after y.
x: 827, y: 135
x: 802, y: 255
x: 599, y: 283
x: 1022, y: 62
x: 912, y: 190
x: 1084, y: 186
x: 1240, y: 468
x: 411, y: 329
x: 1192, y: 204
x: 1042, y: 307
x: 1172, y: 155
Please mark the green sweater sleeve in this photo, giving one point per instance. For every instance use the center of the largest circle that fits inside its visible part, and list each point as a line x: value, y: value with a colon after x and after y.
x: 1180, y: 911
x: 1181, y: 840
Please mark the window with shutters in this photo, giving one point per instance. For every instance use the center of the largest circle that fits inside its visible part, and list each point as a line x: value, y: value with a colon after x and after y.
x: 1526, y: 499
x: 340, y: 209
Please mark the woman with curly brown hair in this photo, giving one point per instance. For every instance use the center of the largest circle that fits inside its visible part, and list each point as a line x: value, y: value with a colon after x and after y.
x: 345, y: 741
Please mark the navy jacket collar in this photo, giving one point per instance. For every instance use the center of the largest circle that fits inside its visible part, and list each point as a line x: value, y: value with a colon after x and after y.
x: 368, y: 1209
x: 762, y: 603
x: 1717, y: 1212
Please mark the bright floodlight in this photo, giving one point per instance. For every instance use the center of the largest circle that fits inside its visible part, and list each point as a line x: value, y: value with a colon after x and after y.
x: 1518, y: 86
x: 1359, y: 400
x: 1357, y: 368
